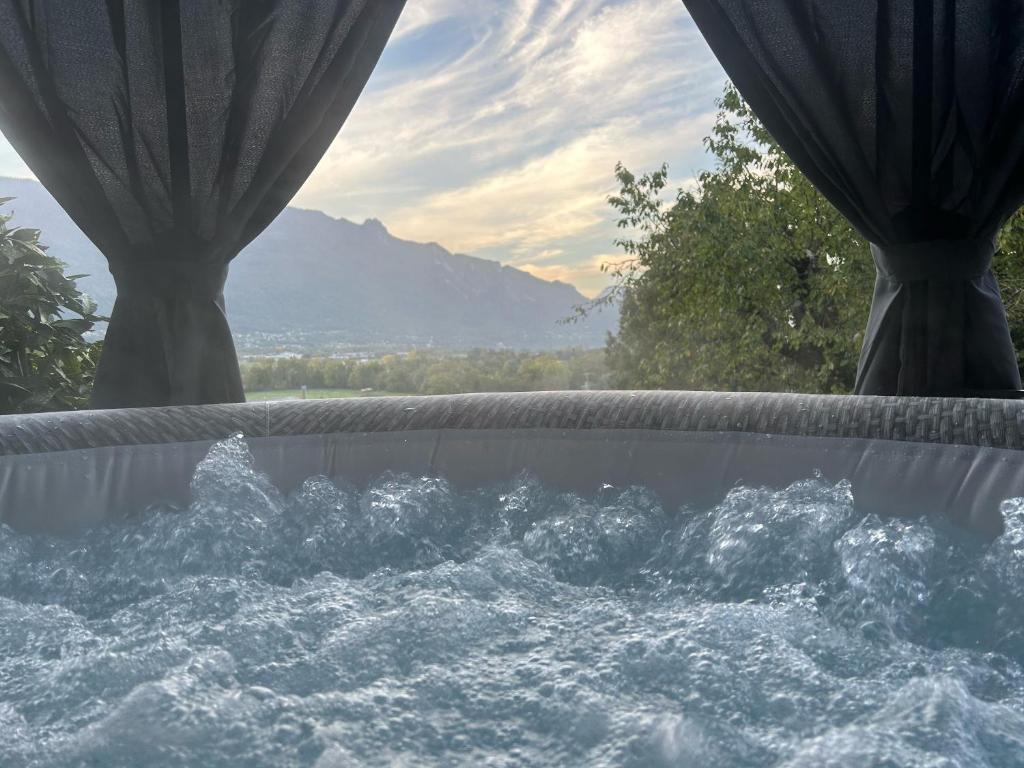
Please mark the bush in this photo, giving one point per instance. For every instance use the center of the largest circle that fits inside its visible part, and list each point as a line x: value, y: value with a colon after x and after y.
x: 45, y: 362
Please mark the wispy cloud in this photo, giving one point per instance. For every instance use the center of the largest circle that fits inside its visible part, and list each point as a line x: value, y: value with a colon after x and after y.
x: 493, y: 127
x: 547, y: 199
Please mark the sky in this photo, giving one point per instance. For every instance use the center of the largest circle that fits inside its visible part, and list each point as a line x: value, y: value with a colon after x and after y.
x: 493, y: 127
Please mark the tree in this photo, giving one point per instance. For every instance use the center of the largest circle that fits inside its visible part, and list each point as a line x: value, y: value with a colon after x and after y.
x: 751, y: 280
x: 543, y: 373
x: 46, y: 364
x: 1008, y: 266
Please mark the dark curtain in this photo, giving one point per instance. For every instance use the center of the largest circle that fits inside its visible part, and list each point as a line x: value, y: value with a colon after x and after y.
x: 907, y: 115
x: 173, y: 132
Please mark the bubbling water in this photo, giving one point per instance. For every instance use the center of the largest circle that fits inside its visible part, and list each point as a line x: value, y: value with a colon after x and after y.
x: 409, y: 624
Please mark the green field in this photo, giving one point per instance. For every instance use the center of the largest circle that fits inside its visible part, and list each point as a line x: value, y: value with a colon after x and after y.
x: 312, y: 394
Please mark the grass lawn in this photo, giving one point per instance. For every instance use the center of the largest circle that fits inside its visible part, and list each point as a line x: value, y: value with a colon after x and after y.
x: 312, y: 394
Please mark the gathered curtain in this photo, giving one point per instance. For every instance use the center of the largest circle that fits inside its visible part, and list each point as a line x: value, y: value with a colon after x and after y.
x: 173, y: 132
x: 908, y: 115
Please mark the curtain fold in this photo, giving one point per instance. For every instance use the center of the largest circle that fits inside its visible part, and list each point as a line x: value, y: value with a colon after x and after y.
x: 907, y: 116
x: 173, y: 132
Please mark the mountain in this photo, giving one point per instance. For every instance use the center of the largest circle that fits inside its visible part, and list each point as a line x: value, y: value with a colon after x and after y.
x: 312, y: 283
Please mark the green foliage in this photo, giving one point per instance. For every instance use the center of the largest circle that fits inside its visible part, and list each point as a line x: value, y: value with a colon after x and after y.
x: 1008, y: 266
x: 434, y: 373
x: 751, y: 280
x: 45, y: 363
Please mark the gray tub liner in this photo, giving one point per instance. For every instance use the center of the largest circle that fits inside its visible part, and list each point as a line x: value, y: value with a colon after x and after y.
x: 951, y: 457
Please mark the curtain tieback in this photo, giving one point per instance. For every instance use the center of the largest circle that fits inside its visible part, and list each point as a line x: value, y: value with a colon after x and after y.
x: 165, y: 279
x: 936, y: 260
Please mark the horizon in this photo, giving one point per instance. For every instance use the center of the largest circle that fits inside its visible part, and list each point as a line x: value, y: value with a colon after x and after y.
x: 505, y: 121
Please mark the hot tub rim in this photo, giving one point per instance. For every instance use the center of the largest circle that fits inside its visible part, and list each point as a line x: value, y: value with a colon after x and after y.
x: 951, y: 421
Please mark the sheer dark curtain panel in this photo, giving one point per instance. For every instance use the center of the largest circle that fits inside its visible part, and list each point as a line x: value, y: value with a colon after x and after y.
x: 908, y: 115
x: 173, y: 132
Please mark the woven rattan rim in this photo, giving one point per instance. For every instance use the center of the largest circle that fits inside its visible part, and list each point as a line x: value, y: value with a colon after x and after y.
x: 953, y: 421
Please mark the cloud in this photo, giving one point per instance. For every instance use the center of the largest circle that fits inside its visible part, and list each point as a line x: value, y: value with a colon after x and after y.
x: 587, y: 275
x: 536, y: 74
x: 546, y: 200
x: 495, y: 125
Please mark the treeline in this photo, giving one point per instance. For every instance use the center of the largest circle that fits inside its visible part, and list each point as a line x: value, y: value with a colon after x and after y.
x: 434, y: 373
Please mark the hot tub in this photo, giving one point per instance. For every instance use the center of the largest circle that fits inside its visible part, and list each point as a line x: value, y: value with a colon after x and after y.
x: 599, y: 579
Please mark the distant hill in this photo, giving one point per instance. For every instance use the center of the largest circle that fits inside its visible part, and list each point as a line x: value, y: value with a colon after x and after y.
x: 311, y: 282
